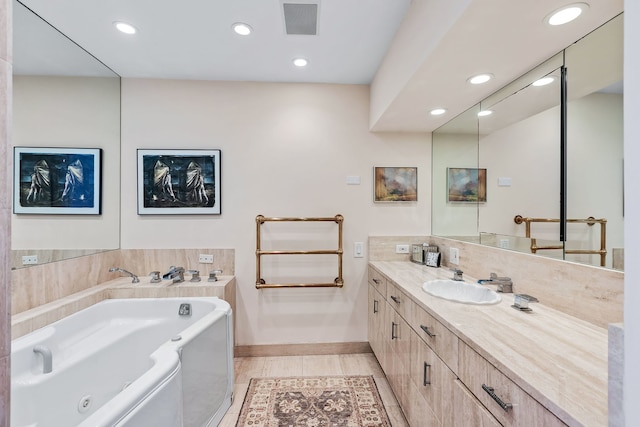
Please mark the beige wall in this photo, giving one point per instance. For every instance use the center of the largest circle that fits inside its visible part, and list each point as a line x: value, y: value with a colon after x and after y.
x: 286, y: 151
x: 5, y: 207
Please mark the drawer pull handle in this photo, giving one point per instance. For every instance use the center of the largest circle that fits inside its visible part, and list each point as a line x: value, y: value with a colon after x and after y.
x: 427, y: 331
x: 494, y: 396
x: 395, y: 299
x: 425, y: 380
x: 375, y: 306
x: 393, y: 331
x: 376, y: 281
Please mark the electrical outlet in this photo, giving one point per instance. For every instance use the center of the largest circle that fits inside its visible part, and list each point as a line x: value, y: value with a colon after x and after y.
x: 205, y: 259
x: 29, y: 259
x: 358, y: 249
x: 454, y: 256
x: 402, y: 249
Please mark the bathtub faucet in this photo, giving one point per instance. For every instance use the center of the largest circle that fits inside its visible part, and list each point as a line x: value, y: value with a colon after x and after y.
x: 47, y: 358
x: 121, y: 270
x: 175, y: 273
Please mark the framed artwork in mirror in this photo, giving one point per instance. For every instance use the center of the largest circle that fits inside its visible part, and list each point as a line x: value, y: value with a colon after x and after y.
x: 57, y: 181
x: 466, y: 185
x: 179, y: 182
x: 395, y: 184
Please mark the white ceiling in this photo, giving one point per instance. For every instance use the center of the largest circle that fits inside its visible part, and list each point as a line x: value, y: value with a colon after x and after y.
x: 192, y: 39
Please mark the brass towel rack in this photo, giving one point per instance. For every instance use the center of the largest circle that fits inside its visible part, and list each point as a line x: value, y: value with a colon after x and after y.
x: 261, y: 284
x: 519, y: 219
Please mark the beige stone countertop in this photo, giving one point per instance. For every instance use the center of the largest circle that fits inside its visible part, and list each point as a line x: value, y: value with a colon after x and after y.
x: 560, y: 360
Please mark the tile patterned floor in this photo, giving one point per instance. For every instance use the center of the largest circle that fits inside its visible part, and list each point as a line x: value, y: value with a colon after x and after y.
x: 289, y: 366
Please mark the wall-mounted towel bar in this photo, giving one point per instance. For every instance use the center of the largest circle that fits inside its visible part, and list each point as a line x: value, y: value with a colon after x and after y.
x: 261, y: 284
x: 519, y: 219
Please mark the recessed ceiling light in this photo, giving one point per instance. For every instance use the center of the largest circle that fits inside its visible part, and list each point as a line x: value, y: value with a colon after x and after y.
x: 543, y: 81
x: 242, y: 29
x: 484, y: 113
x: 566, y: 14
x: 125, y: 28
x: 438, y: 111
x: 300, y: 62
x: 480, y: 78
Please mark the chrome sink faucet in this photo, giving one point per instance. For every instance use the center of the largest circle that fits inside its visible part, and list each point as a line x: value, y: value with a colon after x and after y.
x: 176, y: 274
x: 457, y: 274
x: 130, y: 274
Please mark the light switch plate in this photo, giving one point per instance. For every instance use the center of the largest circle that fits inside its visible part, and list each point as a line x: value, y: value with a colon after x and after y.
x: 358, y: 249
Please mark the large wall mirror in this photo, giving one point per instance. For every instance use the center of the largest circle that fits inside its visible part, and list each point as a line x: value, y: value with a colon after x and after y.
x: 516, y: 141
x: 63, y: 97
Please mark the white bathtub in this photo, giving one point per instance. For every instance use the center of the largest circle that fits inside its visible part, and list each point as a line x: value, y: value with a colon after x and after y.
x: 127, y: 362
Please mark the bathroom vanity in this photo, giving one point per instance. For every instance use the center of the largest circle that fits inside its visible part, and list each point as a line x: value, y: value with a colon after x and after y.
x: 458, y: 364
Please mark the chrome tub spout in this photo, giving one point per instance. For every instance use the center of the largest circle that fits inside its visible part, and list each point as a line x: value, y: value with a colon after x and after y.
x: 134, y: 278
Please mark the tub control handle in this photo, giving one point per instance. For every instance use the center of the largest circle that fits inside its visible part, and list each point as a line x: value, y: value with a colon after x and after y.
x: 213, y: 275
x: 155, y: 277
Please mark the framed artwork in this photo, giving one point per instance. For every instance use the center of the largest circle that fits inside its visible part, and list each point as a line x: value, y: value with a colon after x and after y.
x: 395, y: 184
x: 179, y: 182
x: 57, y: 181
x: 466, y: 185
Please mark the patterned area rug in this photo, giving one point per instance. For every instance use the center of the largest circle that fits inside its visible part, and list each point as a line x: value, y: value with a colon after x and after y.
x: 349, y: 401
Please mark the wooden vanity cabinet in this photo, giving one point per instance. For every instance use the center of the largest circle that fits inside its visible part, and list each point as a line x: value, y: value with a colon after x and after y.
x: 436, y: 377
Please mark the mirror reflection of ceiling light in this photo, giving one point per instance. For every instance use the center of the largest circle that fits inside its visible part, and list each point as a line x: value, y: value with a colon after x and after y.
x: 300, y: 62
x: 566, y: 14
x: 485, y: 113
x: 543, y: 81
x: 438, y: 111
x: 480, y: 78
x: 242, y: 29
x: 125, y: 28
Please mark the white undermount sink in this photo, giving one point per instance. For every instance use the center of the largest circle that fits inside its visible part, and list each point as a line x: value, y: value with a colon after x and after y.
x: 466, y: 293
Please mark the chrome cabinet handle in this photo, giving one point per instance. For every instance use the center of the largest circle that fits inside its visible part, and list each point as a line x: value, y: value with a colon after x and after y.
x: 425, y: 380
x: 490, y: 391
x: 427, y: 331
x: 393, y: 331
x: 375, y: 306
x: 395, y: 299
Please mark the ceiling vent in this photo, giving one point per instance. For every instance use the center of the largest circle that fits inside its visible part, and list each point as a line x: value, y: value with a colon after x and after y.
x: 301, y: 19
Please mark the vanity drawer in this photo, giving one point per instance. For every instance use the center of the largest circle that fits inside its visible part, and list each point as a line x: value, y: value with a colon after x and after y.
x: 378, y: 281
x: 441, y: 340
x: 399, y: 301
x: 511, y: 405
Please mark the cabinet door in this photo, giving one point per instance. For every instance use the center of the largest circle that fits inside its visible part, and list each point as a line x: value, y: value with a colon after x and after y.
x: 469, y: 412
x: 377, y: 280
x: 433, y: 379
x: 399, y: 357
x: 436, y: 335
x: 375, y: 321
x: 511, y: 405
